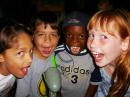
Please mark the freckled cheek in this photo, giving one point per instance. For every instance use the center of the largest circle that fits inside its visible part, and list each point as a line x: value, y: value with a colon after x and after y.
x: 54, y: 41
x: 54, y: 45
x: 38, y: 40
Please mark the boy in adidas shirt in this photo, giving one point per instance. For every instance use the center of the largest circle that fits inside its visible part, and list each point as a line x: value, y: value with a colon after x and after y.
x: 73, y: 59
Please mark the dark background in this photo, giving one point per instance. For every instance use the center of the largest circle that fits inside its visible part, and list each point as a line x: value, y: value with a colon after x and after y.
x: 24, y: 9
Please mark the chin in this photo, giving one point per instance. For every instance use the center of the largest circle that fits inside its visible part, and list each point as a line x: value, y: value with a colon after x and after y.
x: 47, y: 55
x: 20, y: 76
x: 100, y: 64
x: 75, y: 53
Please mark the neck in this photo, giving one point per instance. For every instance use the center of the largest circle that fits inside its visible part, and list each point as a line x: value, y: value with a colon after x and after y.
x: 109, y: 69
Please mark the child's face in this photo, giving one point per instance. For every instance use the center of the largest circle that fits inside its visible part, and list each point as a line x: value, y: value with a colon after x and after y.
x: 76, y: 38
x: 18, y: 58
x: 46, y: 40
x: 104, y: 46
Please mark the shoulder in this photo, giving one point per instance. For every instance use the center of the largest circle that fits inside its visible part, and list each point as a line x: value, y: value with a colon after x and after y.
x: 59, y: 48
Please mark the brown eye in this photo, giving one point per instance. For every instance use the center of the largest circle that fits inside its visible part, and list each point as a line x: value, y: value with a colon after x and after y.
x: 54, y: 34
x: 20, y: 53
x: 83, y: 36
x: 68, y: 35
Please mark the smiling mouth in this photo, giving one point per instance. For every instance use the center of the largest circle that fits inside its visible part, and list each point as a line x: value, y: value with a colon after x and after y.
x: 98, y: 56
x: 75, y: 50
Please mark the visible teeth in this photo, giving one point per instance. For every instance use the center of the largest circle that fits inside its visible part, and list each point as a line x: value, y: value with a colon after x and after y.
x: 74, y: 47
x: 96, y: 55
x: 95, y: 52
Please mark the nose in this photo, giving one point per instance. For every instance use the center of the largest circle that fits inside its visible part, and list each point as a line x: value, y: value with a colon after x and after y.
x: 75, y: 39
x: 93, y: 43
x: 47, y: 38
x: 29, y: 58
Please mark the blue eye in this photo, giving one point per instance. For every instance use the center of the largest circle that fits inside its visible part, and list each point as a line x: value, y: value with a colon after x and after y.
x: 104, y: 37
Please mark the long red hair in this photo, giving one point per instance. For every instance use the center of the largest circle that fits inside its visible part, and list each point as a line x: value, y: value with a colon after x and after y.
x: 121, y: 18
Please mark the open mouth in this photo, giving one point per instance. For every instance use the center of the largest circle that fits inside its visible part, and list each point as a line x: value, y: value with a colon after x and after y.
x: 47, y: 50
x: 25, y: 70
x: 75, y: 50
x: 98, y: 56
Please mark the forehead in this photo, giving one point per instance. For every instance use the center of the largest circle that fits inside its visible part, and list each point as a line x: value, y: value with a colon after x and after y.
x: 75, y: 29
x: 22, y: 40
x: 109, y: 27
x: 43, y: 27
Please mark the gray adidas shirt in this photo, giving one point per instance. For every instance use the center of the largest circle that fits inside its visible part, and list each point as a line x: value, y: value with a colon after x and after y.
x: 75, y: 72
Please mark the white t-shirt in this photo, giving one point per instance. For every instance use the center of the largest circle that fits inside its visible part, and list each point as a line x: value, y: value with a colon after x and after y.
x: 6, y: 83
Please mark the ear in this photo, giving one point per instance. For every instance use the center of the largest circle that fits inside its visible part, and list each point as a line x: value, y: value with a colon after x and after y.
x: 1, y: 58
x: 125, y: 44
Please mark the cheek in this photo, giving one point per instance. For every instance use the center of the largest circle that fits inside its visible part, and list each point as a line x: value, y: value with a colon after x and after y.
x: 83, y: 43
x: 13, y: 65
x: 15, y: 61
x: 54, y: 42
x: 67, y: 41
x: 36, y: 41
x: 39, y: 41
x: 88, y: 44
x: 113, y: 51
